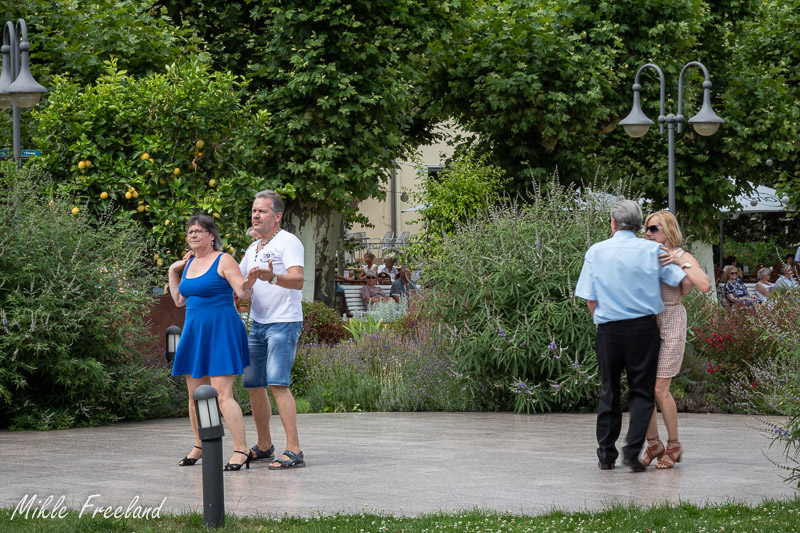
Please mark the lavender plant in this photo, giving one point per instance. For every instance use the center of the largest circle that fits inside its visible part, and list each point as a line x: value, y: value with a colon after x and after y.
x: 387, y: 371
x: 514, y: 319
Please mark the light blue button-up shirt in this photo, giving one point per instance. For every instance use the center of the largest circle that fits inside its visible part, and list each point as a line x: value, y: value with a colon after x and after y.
x: 786, y: 283
x: 622, y: 275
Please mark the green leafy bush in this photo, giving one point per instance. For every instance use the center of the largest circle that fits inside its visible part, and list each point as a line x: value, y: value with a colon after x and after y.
x: 753, y: 253
x: 503, y: 286
x: 72, y: 300
x: 322, y: 324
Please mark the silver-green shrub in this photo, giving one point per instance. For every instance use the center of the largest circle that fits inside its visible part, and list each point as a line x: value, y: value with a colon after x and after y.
x: 502, y: 287
x: 72, y: 302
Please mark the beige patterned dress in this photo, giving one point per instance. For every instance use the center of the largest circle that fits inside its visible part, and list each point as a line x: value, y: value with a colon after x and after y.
x: 672, y: 325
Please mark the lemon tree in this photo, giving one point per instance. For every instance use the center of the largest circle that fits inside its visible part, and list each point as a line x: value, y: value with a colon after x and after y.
x: 157, y: 149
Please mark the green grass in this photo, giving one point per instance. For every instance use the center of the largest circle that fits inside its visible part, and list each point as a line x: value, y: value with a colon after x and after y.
x: 770, y: 516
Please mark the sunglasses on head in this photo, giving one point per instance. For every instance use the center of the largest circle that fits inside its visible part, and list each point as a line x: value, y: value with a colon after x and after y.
x: 653, y: 229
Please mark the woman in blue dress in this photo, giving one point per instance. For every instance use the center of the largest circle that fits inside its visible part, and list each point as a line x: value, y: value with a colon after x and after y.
x: 213, y: 345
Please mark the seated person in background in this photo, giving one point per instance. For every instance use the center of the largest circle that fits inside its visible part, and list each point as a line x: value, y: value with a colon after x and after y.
x: 403, y: 285
x: 370, y: 292
x: 735, y: 290
x: 253, y: 233
x: 369, y: 264
x: 792, y: 263
x: 388, y: 267
x: 763, y: 287
x: 786, y: 281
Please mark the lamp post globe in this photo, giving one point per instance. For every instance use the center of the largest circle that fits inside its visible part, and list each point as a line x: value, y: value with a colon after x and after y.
x: 18, y: 89
x: 705, y: 122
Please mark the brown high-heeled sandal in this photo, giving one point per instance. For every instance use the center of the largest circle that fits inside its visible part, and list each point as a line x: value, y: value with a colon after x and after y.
x: 671, y: 456
x: 653, y: 451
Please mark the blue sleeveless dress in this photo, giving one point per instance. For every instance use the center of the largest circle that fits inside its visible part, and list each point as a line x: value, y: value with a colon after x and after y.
x: 214, y: 339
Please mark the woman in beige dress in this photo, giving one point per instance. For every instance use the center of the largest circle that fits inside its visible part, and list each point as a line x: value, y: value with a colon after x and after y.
x: 662, y: 227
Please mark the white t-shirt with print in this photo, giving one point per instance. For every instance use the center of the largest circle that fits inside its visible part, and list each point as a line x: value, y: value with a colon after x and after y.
x: 271, y: 303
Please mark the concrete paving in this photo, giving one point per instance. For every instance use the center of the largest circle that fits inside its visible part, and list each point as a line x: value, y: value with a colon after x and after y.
x: 394, y: 463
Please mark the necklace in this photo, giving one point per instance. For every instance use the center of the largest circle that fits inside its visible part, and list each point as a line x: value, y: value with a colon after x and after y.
x: 204, y: 255
x: 262, y: 244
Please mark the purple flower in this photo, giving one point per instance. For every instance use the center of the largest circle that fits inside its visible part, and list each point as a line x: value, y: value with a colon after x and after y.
x: 552, y: 345
x: 523, y: 345
x: 502, y: 333
x: 576, y: 365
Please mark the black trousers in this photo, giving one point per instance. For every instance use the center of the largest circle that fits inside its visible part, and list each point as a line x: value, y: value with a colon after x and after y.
x: 630, y: 345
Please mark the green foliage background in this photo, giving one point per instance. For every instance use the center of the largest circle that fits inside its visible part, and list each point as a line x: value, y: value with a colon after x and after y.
x: 72, y: 295
x: 502, y: 288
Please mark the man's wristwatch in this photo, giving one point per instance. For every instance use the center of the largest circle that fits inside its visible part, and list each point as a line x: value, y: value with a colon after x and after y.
x: 686, y: 265
x: 274, y: 280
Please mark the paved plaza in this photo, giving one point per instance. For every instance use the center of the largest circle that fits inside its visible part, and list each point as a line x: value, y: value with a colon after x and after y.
x: 395, y: 463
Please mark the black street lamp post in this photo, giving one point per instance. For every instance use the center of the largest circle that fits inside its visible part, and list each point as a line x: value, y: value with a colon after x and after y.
x: 17, y: 86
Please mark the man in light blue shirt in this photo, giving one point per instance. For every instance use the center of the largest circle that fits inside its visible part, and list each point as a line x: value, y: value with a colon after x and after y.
x: 786, y: 280
x: 620, y: 282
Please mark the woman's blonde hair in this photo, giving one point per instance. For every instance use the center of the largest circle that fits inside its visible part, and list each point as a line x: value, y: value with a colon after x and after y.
x: 669, y: 225
x: 727, y: 272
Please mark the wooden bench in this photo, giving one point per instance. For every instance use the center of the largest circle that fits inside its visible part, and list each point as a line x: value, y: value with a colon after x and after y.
x: 352, y: 298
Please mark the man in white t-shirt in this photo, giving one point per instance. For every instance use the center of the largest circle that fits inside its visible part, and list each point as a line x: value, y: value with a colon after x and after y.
x: 277, y: 314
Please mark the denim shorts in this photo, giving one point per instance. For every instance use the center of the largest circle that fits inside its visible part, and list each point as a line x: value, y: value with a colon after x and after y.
x: 272, y: 351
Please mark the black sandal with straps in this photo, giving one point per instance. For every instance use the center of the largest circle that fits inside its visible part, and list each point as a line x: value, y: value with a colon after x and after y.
x: 232, y: 467
x: 190, y: 461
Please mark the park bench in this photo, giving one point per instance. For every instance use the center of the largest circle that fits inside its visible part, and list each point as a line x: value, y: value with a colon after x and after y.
x: 352, y: 298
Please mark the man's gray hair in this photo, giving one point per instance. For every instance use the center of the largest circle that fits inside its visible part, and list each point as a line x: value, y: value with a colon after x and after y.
x: 785, y: 269
x: 277, y: 201
x: 628, y: 215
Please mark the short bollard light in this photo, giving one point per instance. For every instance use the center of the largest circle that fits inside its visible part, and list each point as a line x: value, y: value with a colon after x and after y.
x: 210, y: 431
x: 173, y: 336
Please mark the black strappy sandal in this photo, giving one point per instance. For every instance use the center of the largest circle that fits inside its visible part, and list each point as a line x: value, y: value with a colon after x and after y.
x: 233, y: 467
x: 189, y: 461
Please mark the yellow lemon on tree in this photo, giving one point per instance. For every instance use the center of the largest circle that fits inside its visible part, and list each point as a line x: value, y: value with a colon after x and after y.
x: 160, y: 262
x: 212, y: 183
x: 216, y: 215
x: 81, y: 165
x: 162, y: 181
x: 140, y: 209
x: 177, y: 171
x: 135, y: 194
x: 104, y: 195
x: 200, y: 144
x: 166, y: 222
x: 75, y: 210
x: 230, y: 250
x: 88, y: 163
x: 156, y: 257
x: 145, y: 156
x: 128, y: 195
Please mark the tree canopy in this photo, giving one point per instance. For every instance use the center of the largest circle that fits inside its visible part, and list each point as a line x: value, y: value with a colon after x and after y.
x: 544, y: 84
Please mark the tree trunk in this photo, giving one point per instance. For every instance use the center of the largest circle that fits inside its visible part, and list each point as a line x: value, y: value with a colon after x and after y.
x: 320, y: 234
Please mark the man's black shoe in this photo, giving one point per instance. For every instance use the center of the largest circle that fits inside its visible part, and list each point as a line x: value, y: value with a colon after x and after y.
x: 604, y: 466
x: 634, y: 464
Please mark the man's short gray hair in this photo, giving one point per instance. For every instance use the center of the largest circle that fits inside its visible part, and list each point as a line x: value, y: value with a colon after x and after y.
x: 628, y: 215
x: 277, y: 201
